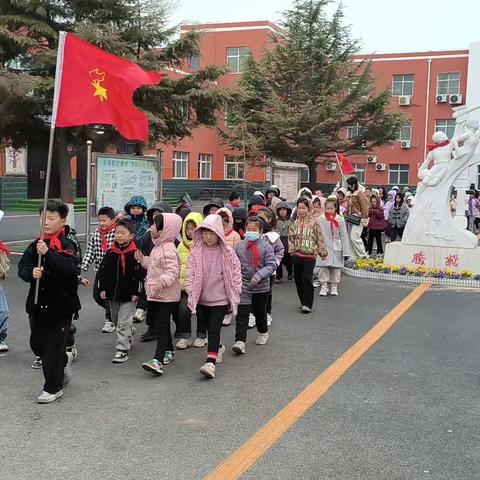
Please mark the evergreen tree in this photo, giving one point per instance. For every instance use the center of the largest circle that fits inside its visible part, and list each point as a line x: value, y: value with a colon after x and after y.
x: 299, y: 98
x: 134, y: 29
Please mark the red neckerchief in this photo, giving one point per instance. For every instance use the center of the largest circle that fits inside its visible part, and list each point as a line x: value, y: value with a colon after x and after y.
x: 256, y: 253
x: 433, y: 146
x: 55, y: 243
x: 255, y: 208
x: 103, y: 233
x: 333, y: 221
x: 131, y: 248
x: 229, y: 232
x: 4, y: 249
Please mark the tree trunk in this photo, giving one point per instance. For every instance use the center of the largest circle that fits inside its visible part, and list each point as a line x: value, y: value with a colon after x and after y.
x: 312, y: 168
x: 65, y: 174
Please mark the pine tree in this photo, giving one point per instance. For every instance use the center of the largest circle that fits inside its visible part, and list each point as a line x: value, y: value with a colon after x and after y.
x: 299, y: 98
x: 134, y: 29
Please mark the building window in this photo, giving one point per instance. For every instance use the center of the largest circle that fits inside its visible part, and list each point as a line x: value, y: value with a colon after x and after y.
x: 194, y: 62
x: 304, y: 175
x: 128, y: 148
x: 234, y: 168
x: 398, y: 174
x: 353, y: 131
x: 405, y: 131
x: 205, y: 166
x: 180, y: 164
x: 446, y: 126
x: 237, y: 59
x: 448, y: 83
x: 360, y: 170
x: 402, y: 85
x: 229, y: 118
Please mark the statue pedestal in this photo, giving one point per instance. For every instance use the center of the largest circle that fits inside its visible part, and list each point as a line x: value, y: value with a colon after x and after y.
x: 457, y: 259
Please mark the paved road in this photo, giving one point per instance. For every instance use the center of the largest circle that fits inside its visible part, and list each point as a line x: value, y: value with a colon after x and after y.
x: 408, y: 409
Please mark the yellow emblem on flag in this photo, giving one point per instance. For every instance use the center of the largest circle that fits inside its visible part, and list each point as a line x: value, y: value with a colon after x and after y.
x: 97, y: 78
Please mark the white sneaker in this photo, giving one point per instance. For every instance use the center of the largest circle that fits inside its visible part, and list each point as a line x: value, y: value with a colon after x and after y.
x: 220, y: 353
x: 184, y: 343
x: 227, y: 320
x: 262, y: 339
x: 239, y: 347
x: 251, y: 321
x: 208, y: 370
x: 324, y: 290
x: 108, y: 327
x: 139, y: 315
x: 37, y: 363
x: 316, y: 284
x: 200, y: 342
x: 334, y: 291
x: 121, y: 356
x: 72, y: 352
x: 269, y: 319
x: 306, y: 309
x: 46, y: 397
x: 3, y: 347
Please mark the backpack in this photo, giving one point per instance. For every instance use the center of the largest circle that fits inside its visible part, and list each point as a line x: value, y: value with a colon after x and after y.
x: 4, y: 265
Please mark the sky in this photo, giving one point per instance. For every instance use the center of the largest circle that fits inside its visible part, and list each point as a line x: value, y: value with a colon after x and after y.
x: 382, y: 26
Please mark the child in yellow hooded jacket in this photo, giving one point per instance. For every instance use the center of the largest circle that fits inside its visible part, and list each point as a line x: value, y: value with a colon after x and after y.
x: 183, y: 317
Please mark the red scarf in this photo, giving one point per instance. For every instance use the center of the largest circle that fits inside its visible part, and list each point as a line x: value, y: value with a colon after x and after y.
x: 4, y: 249
x: 131, y: 248
x: 256, y: 254
x: 241, y: 232
x: 103, y: 233
x: 55, y: 243
x: 229, y: 232
x: 333, y: 221
x: 433, y: 146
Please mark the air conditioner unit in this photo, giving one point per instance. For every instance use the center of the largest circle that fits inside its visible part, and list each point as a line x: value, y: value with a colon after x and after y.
x: 405, y: 144
x: 380, y: 167
x: 455, y: 99
x: 441, y: 98
x: 371, y: 159
x: 404, y: 100
x: 330, y: 166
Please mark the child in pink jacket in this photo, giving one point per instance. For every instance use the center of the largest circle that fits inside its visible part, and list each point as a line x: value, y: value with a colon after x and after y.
x: 162, y: 286
x: 214, y: 284
x: 231, y: 236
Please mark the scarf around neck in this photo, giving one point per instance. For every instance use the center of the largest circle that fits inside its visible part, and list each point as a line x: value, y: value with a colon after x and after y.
x: 256, y: 253
x: 116, y: 249
x: 103, y: 234
x: 333, y: 221
x: 55, y: 242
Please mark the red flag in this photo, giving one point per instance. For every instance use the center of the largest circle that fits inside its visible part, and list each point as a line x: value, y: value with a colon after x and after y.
x: 96, y: 87
x: 344, y: 164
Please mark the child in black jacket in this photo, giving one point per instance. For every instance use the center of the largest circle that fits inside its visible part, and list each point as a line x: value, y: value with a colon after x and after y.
x: 120, y: 283
x: 58, y: 302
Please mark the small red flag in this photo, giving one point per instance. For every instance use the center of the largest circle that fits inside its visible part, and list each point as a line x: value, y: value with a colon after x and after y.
x: 96, y: 87
x: 344, y: 164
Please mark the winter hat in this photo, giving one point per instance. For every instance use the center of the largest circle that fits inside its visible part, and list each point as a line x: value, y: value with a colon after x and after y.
x: 162, y: 207
x: 214, y: 202
x: 274, y: 189
x: 256, y: 200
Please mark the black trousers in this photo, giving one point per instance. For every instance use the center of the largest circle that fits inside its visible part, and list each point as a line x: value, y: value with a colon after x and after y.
x: 364, y: 237
x: 100, y: 301
x: 303, y: 272
x: 210, y: 319
x: 182, y: 318
x: 286, y: 260
x: 48, y: 340
x: 375, y: 235
x: 396, y: 232
x: 270, y: 295
x: 161, y: 313
x: 259, y: 309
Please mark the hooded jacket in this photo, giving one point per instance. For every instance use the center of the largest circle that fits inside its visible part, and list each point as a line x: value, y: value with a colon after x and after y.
x: 230, y: 266
x: 231, y: 236
x: 267, y: 266
x: 214, y: 202
x: 283, y: 225
x: 162, y: 283
x: 334, y: 238
x: 256, y: 200
x: 377, y: 217
x: 185, y: 245
x: 389, y: 203
x: 305, y: 238
x: 139, y: 221
x: 158, y: 206
x: 274, y: 189
x: 239, y: 227
x: 342, y: 203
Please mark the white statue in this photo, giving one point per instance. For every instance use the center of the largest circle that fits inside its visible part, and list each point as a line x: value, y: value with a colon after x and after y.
x: 430, y: 221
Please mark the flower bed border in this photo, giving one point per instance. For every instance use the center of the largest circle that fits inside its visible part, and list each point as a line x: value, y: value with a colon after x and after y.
x: 395, y: 277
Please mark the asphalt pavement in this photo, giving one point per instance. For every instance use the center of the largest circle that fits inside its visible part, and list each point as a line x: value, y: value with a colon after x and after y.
x: 408, y: 409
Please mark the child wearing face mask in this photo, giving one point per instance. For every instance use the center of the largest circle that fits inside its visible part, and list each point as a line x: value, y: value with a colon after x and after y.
x: 258, y: 265
x: 213, y: 282
x: 162, y: 285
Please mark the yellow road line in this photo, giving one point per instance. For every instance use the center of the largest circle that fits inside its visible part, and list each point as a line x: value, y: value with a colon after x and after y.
x: 241, y: 460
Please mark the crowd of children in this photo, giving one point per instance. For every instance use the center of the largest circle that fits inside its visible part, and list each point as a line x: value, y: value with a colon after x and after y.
x: 219, y: 268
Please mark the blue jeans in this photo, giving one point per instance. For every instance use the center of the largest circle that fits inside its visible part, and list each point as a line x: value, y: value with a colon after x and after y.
x: 3, y: 315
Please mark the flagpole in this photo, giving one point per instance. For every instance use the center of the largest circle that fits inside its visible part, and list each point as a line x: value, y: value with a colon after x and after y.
x: 56, y: 93
x: 341, y: 171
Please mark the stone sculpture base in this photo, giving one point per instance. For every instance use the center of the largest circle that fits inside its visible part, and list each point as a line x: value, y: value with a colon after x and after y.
x: 457, y: 259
